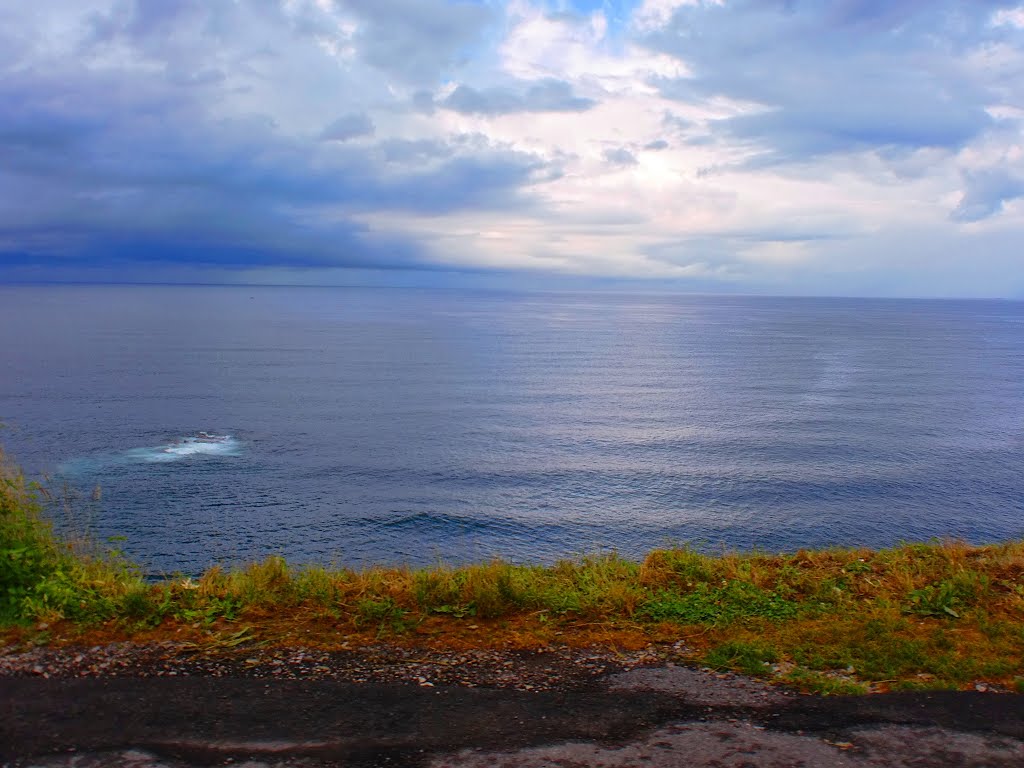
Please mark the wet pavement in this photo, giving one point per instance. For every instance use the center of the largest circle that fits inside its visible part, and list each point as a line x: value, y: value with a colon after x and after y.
x: 667, y: 715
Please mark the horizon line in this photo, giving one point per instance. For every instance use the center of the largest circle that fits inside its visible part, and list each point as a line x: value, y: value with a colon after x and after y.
x: 494, y: 289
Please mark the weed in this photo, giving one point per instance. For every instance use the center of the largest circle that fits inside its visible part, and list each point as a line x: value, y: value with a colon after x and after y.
x: 192, y: 607
x: 439, y: 590
x: 385, y: 614
x: 28, y: 549
x: 318, y: 586
x: 715, y: 605
x: 751, y: 658
x: 455, y: 611
x: 824, y: 684
x: 946, y: 597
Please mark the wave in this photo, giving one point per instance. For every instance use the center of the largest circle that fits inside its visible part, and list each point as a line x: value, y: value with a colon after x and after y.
x: 201, y: 444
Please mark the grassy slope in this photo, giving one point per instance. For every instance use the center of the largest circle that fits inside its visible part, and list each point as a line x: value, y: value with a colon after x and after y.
x: 943, y: 614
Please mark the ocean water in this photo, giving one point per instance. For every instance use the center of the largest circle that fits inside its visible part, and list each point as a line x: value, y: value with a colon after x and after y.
x: 356, y: 426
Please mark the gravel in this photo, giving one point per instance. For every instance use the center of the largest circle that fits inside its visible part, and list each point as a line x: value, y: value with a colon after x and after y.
x: 536, y: 670
x: 700, y: 687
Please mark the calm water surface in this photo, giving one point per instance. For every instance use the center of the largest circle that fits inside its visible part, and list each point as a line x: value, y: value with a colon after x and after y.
x: 379, y: 425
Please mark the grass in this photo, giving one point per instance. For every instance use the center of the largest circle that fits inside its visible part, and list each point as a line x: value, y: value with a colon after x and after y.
x: 938, y: 615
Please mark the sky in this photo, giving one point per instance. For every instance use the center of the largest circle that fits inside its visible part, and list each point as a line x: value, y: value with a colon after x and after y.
x: 818, y: 147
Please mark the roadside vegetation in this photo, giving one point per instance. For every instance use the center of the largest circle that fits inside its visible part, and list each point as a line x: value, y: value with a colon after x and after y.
x: 937, y: 615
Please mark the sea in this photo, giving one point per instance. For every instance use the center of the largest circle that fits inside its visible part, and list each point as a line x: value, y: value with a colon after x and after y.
x: 359, y: 426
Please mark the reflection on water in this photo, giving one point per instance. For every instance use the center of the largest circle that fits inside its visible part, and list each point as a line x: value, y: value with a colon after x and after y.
x: 400, y: 425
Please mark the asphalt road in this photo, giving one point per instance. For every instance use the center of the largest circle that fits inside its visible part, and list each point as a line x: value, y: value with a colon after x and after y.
x: 672, y: 716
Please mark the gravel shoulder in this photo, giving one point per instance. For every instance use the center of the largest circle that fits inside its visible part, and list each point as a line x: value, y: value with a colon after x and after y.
x: 167, y: 705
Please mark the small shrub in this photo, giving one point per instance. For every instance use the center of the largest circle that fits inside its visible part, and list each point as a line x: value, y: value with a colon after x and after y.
x: 28, y: 550
x: 137, y: 603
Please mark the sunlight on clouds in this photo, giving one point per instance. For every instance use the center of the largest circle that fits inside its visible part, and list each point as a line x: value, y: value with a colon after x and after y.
x: 746, y: 145
x: 538, y: 46
x: 652, y: 14
x: 533, y: 244
x: 1009, y: 17
x: 777, y: 253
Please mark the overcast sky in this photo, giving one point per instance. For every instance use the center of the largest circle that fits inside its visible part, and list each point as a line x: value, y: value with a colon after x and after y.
x: 852, y: 147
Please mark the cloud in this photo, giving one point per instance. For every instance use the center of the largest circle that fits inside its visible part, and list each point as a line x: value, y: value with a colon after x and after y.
x: 414, y: 152
x: 120, y: 153
x: 1009, y: 17
x: 816, y: 78
x: 415, y: 41
x: 423, y: 101
x: 620, y: 156
x: 348, y: 127
x: 985, y: 194
x: 754, y: 145
x: 544, y: 96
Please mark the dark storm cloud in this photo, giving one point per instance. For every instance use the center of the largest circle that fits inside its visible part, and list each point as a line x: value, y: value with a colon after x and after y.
x: 134, y: 161
x: 832, y: 76
x: 546, y: 96
x: 238, y: 191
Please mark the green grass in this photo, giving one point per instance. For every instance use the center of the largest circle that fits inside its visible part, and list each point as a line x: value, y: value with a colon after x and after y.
x: 751, y: 658
x: 28, y: 549
x: 935, y: 615
x: 706, y: 604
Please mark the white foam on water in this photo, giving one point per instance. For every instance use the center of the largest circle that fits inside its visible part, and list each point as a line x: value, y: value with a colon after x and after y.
x: 209, y: 445
x: 182, y: 448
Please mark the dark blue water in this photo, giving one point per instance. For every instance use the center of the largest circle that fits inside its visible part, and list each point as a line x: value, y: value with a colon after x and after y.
x: 377, y: 425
